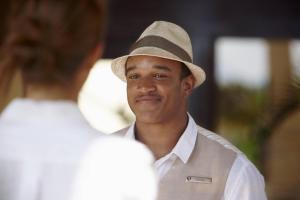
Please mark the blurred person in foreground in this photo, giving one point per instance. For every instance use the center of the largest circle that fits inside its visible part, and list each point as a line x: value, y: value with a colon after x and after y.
x: 53, y: 43
x: 125, y: 173
x: 192, y: 162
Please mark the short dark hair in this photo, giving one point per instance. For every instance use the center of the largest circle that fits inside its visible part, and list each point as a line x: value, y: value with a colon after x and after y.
x: 49, y: 39
x: 185, y: 71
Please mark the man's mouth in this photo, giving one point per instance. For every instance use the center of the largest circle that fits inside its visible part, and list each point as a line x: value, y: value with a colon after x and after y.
x: 147, y: 98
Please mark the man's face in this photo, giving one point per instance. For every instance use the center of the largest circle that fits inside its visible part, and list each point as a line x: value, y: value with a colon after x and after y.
x: 155, y: 91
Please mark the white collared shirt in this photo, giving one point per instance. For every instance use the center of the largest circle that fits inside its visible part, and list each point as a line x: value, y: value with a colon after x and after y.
x: 40, y: 145
x: 244, y: 181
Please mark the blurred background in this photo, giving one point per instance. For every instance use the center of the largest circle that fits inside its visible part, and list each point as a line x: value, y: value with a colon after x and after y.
x: 250, y: 50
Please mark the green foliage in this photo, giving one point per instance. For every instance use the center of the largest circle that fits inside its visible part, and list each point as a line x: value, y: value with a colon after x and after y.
x: 241, y: 104
x: 240, y: 108
x: 246, y: 118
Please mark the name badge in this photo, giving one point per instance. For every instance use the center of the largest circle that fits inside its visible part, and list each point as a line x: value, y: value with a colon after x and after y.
x: 198, y: 179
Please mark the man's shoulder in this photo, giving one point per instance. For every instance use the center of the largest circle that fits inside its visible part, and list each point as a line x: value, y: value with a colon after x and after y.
x: 217, y: 139
x: 241, y: 158
x: 121, y: 132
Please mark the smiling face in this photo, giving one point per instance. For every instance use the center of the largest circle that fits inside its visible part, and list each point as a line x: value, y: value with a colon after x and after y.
x: 155, y: 90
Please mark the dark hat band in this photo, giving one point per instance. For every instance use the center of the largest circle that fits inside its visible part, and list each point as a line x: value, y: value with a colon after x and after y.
x: 162, y: 43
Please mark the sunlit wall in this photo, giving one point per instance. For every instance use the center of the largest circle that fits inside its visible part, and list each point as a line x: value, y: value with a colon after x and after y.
x: 103, y: 99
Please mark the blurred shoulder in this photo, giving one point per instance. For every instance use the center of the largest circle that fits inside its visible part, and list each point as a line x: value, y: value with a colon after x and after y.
x: 120, y: 149
x: 121, y: 132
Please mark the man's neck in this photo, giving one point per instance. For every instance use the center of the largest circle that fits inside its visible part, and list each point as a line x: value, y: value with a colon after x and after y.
x: 55, y: 92
x: 161, y: 138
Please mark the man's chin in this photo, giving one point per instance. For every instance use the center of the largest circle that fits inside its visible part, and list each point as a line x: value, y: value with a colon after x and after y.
x: 147, y: 118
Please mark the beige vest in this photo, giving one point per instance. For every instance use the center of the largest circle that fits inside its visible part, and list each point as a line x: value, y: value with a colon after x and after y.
x: 203, y: 177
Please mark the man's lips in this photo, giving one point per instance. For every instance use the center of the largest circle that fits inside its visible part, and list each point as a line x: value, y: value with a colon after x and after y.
x: 147, y: 98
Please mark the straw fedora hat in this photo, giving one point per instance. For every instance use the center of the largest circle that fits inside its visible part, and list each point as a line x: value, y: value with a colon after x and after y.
x: 165, y: 40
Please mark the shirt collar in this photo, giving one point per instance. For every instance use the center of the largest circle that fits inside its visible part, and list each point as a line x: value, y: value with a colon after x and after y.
x: 130, y: 132
x: 186, y: 143
x: 25, y: 110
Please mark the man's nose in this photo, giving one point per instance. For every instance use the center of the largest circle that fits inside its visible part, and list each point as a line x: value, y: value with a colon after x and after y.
x: 146, y: 84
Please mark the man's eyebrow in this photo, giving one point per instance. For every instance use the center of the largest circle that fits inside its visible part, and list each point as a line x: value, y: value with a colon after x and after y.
x: 162, y: 67
x: 128, y: 69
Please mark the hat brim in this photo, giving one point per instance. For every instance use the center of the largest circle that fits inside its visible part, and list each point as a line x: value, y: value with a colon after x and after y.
x: 118, y: 67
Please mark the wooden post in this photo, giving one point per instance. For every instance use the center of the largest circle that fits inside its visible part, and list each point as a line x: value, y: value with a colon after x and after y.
x: 280, y: 73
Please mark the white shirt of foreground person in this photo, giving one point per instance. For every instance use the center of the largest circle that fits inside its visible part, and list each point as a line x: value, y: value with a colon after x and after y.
x: 116, y: 169
x: 41, y: 143
x: 244, y: 181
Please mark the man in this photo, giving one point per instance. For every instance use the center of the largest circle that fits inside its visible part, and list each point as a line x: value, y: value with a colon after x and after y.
x: 192, y: 162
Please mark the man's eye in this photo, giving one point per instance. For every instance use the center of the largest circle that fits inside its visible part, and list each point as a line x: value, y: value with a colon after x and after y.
x: 159, y: 76
x: 132, y: 76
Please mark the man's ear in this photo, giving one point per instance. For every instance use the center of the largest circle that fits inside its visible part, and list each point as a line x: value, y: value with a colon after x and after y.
x: 94, y: 55
x: 188, y: 84
x: 83, y: 71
